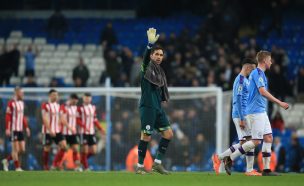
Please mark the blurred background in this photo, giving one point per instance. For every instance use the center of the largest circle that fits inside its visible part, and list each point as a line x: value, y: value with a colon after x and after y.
x: 79, y: 43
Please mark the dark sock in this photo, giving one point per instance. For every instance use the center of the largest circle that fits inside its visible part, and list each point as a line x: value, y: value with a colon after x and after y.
x: 142, y: 149
x: 75, y: 156
x: 45, y: 159
x: 9, y: 158
x: 162, y: 148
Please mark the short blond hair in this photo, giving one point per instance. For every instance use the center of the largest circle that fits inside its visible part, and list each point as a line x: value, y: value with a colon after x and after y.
x: 261, y: 55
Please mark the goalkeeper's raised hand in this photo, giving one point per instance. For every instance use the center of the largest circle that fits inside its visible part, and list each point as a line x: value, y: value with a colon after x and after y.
x: 152, y: 37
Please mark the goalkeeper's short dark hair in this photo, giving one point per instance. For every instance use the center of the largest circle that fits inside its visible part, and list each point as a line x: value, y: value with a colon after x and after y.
x: 157, y: 47
x: 249, y: 61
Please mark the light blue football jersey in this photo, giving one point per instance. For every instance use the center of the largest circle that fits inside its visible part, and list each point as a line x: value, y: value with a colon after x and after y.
x: 256, y: 102
x: 240, y: 96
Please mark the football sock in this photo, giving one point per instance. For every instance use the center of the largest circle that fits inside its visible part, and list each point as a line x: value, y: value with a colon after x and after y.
x: 58, y: 157
x: 45, y: 159
x: 84, y: 160
x: 250, y: 160
x: 266, y: 152
x: 162, y: 148
x: 75, y: 156
x: 229, y: 151
x: 242, y: 150
x: 17, y: 164
x: 9, y: 158
x: 142, y: 149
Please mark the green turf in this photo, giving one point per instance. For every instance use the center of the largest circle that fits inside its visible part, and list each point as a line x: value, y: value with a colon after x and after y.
x: 122, y: 178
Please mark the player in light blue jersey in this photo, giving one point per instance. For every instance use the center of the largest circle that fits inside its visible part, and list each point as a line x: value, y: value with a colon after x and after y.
x: 256, y: 115
x: 239, y: 103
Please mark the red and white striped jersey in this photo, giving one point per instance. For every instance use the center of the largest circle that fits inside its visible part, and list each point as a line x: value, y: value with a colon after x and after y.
x: 71, y: 116
x: 53, y: 112
x: 15, y: 114
x: 87, y: 116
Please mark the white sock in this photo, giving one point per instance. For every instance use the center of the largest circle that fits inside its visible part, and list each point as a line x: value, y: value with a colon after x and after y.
x: 250, y: 160
x: 266, y: 151
x: 229, y: 151
x: 140, y: 165
x: 247, y: 146
x: 157, y: 161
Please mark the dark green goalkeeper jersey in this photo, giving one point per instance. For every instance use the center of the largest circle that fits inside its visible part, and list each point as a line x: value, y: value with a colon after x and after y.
x: 151, y: 95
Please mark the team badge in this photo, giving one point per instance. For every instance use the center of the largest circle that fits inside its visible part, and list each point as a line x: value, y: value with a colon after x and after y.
x: 148, y: 127
x: 261, y: 80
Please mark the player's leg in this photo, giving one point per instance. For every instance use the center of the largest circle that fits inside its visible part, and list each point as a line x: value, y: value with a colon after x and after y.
x: 163, y: 126
x: 266, y: 148
x: 216, y: 159
x: 15, y: 154
x: 62, y: 146
x: 76, y: 159
x: 257, y: 128
x: 21, y: 151
x: 92, y: 141
x: 72, y: 140
x: 46, y: 141
x: 84, y: 154
x: 147, y: 117
x: 6, y: 161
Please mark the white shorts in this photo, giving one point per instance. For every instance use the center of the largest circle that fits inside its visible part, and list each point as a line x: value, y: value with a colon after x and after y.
x: 260, y: 125
x: 242, y: 133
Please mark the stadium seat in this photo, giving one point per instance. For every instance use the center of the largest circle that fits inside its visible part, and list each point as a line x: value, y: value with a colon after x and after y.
x: 40, y: 41
x: 16, y: 34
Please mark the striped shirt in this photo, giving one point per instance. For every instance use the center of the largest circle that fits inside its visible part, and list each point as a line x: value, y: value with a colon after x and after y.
x: 71, y: 115
x: 53, y: 112
x: 15, y: 114
x: 87, y: 116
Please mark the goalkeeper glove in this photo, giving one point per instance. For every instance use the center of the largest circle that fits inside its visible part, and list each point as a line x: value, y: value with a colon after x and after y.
x: 152, y: 37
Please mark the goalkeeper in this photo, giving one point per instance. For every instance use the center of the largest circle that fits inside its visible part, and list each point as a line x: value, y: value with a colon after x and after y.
x: 154, y: 91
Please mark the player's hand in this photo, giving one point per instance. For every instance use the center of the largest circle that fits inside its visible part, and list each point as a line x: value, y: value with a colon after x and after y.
x: 242, y: 124
x: 7, y: 132
x: 152, y: 37
x: 53, y: 134
x: 73, y: 130
x: 28, y: 132
x: 284, y: 105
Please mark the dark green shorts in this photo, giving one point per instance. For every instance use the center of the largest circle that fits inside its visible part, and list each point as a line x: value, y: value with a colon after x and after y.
x: 152, y: 118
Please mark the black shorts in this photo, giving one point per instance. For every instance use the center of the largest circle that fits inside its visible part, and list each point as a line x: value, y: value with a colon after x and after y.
x: 47, y: 139
x: 71, y: 139
x: 87, y: 139
x: 17, y: 136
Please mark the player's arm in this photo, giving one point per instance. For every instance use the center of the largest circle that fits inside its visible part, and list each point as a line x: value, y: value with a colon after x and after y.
x: 271, y: 98
x: 259, y: 82
x: 97, y: 124
x: 26, y: 126
x: 8, y: 118
x: 152, y: 38
x: 45, y: 119
x: 239, y: 104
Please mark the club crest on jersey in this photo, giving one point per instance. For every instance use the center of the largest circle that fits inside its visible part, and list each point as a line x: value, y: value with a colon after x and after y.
x: 148, y: 127
x: 240, y: 88
x: 261, y: 80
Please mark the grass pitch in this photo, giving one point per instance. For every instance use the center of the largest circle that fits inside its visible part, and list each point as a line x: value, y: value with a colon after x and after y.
x: 39, y: 178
